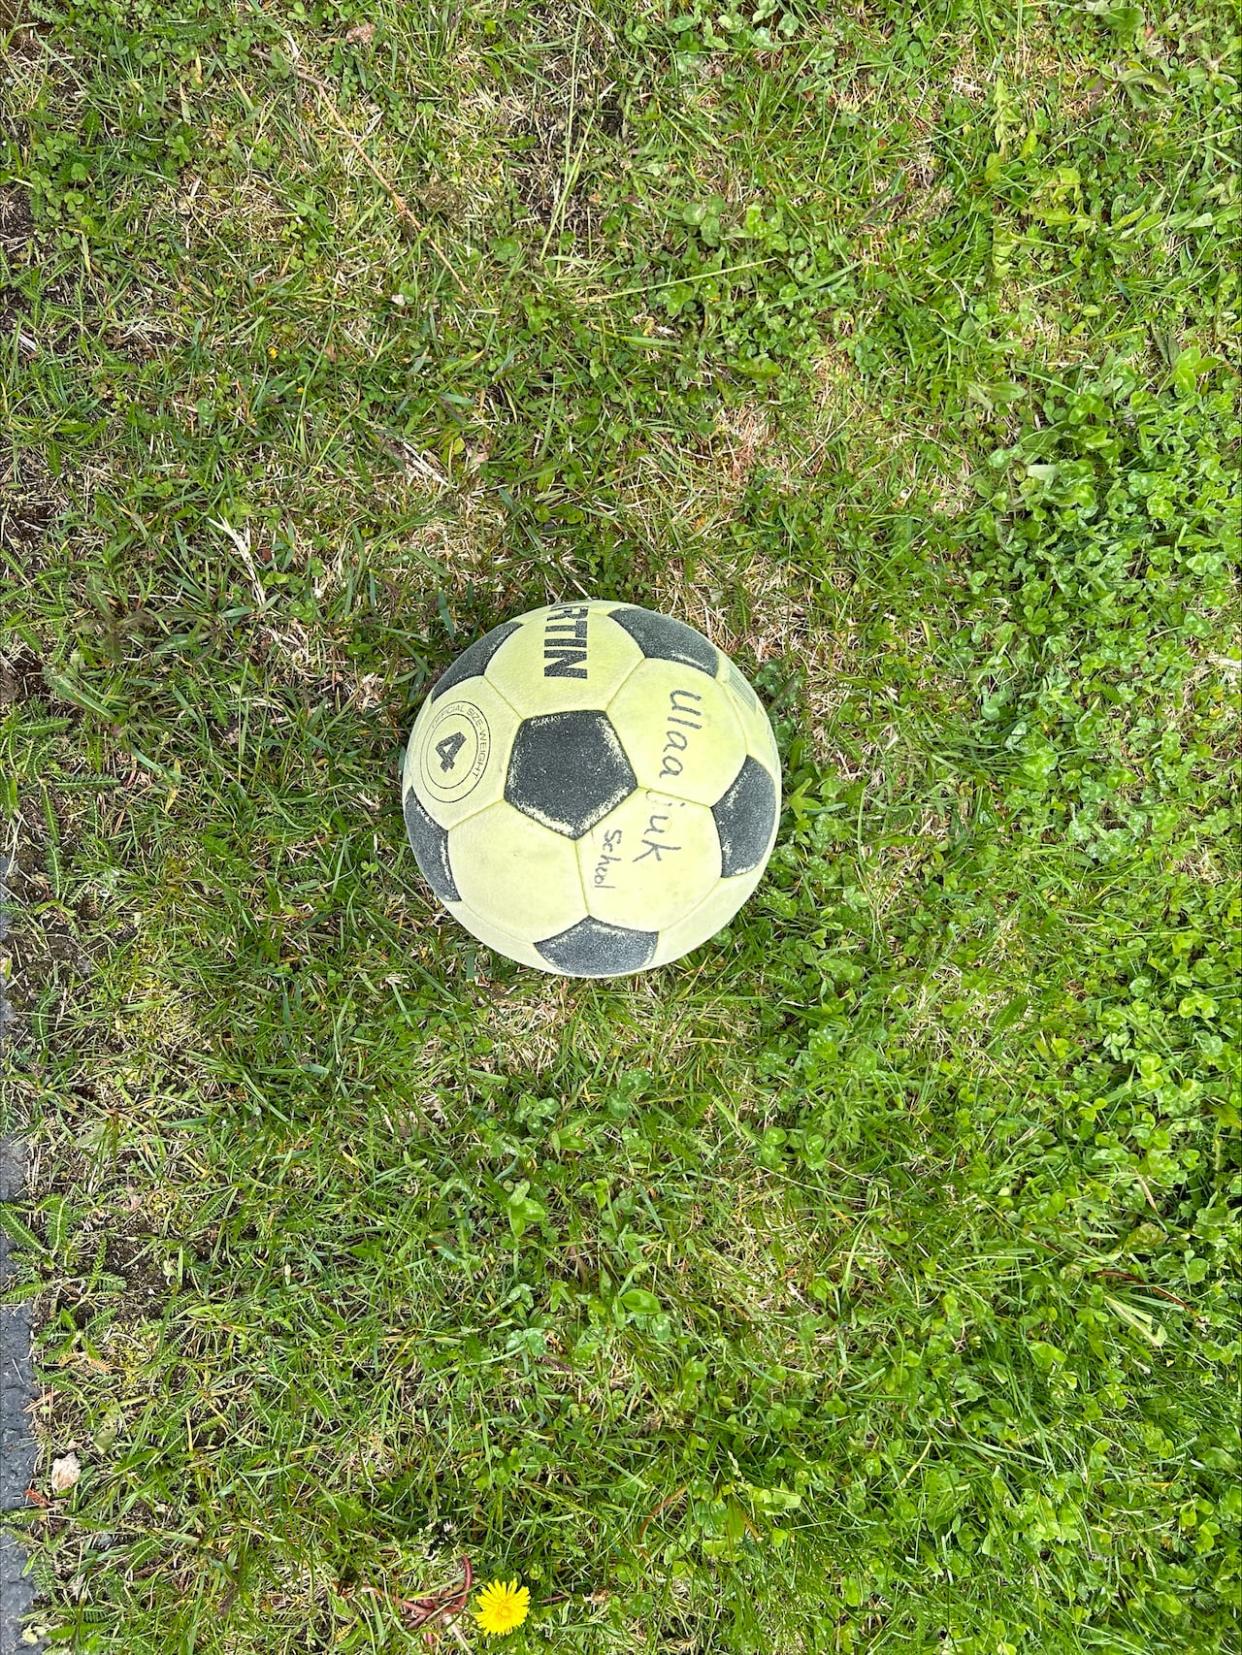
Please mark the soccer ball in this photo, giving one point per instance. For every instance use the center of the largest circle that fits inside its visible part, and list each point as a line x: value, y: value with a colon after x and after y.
x: 592, y: 789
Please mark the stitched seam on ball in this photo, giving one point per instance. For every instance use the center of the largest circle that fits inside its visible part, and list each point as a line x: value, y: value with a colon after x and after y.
x: 641, y: 662
x: 496, y: 689
x: 586, y: 906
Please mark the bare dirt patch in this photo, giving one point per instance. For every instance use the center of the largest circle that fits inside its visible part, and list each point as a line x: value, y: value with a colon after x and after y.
x: 16, y: 218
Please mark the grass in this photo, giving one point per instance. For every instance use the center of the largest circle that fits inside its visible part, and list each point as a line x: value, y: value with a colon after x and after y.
x: 868, y: 1281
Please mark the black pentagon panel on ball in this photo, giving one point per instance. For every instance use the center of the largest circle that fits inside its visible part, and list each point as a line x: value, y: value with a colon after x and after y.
x: 430, y: 844
x: 568, y: 770
x: 593, y: 949
x: 661, y: 638
x: 473, y: 661
x: 745, y: 818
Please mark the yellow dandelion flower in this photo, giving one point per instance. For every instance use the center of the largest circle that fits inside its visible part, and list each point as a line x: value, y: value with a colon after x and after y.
x: 503, y: 1605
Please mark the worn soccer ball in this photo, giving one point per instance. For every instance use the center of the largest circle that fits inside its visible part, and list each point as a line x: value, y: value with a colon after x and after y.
x: 592, y: 789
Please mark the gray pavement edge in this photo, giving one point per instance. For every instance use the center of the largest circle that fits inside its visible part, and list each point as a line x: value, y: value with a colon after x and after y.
x: 17, y: 1382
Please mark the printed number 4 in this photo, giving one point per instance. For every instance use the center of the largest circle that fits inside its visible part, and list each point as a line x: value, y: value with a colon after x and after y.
x: 449, y: 748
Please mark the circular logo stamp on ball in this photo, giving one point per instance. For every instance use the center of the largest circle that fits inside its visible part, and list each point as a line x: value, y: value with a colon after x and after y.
x: 455, y: 751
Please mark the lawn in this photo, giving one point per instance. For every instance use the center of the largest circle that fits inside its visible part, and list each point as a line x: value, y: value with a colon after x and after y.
x: 866, y: 1281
